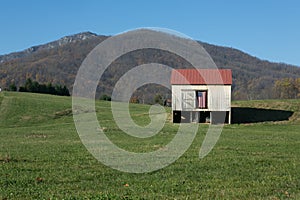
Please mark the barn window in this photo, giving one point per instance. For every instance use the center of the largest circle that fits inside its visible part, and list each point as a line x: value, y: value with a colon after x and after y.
x: 201, y: 99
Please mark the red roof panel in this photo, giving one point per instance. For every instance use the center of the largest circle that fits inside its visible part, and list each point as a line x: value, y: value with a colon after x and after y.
x: 201, y: 77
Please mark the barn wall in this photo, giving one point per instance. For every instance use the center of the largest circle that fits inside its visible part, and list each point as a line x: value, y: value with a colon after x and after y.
x: 218, y: 99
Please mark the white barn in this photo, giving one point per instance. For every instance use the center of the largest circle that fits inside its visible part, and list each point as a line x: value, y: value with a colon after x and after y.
x: 201, y: 95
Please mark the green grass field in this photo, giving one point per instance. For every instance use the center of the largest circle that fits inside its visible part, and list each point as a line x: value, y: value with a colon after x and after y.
x: 42, y: 157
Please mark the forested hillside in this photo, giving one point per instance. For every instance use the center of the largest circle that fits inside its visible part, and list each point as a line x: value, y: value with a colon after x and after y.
x: 57, y: 63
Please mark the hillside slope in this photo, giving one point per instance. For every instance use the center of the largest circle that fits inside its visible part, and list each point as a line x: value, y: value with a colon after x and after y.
x: 18, y: 109
x: 30, y: 109
x: 58, y: 62
x: 278, y: 111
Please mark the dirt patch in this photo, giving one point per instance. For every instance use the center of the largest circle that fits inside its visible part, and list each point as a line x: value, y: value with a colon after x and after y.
x: 5, y: 159
x: 62, y: 113
x: 36, y: 136
x: 26, y: 118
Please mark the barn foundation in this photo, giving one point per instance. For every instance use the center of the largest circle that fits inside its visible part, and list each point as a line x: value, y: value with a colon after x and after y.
x: 212, y: 117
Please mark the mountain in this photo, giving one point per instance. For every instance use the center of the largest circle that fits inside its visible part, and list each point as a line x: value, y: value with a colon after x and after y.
x: 58, y: 62
x: 61, y: 42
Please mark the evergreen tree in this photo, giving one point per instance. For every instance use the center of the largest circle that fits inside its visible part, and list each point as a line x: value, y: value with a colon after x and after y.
x: 12, y: 87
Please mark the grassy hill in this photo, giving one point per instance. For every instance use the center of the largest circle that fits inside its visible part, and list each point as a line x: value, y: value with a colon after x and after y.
x: 288, y: 109
x: 42, y: 157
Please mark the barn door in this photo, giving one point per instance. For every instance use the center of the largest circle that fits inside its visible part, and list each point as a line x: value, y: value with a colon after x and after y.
x: 188, y: 99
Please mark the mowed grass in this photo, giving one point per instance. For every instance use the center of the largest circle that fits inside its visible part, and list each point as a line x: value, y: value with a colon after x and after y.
x: 42, y: 157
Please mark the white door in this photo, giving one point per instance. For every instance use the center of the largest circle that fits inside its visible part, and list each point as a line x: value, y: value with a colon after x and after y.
x: 188, y: 98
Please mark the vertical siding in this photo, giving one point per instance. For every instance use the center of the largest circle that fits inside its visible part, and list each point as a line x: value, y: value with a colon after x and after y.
x: 219, y: 96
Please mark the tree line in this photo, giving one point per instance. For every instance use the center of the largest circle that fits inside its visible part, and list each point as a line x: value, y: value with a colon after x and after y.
x: 36, y: 87
x: 287, y: 88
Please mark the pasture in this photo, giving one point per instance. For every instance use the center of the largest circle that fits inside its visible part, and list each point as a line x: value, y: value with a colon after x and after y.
x: 42, y: 157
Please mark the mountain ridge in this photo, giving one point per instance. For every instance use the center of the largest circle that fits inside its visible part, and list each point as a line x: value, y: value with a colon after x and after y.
x: 58, y: 62
x: 62, y: 41
x: 88, y: 34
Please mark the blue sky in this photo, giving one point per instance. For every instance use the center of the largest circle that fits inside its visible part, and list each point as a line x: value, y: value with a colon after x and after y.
x: 268, y: 29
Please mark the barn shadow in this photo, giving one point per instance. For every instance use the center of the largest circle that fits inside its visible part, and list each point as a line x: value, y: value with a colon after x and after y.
x: 253, y: 115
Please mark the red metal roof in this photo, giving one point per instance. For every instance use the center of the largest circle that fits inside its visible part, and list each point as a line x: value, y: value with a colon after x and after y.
x: 201, y: 77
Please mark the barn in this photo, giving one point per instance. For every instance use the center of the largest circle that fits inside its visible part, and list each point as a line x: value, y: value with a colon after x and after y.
x: 201, y: 95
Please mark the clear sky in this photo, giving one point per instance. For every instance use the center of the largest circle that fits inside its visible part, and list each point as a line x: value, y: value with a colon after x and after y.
x: 268, y: 29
